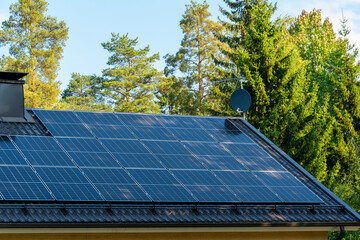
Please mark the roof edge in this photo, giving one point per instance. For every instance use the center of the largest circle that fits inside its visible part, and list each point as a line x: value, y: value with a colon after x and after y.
x: 155, y: 228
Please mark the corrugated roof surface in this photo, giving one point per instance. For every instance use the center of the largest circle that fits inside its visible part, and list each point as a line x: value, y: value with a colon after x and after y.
x: 246, y: 215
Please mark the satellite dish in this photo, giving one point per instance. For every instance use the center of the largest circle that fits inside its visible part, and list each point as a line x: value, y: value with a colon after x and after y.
x: 240, y: 100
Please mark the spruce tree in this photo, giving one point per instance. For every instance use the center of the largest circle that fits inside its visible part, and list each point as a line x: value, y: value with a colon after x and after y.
x: 36, y: 43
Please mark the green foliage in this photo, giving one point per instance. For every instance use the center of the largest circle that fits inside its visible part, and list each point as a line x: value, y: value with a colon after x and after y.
x: 331, y: 66
x: 194, y: 61
x: 83, y: 93
x: 303, y: 85
x: 36, y: 44
x: 131, y: 81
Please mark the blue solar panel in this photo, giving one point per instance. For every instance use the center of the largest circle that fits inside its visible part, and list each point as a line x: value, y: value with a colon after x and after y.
x: 138, y: 160
x: 74, y: 192
x: 297, y: 194
x: 105, y: 125
x: 222, y: 163
x: 214, y: 123
x: 207, y: 149
x: 24, y: 191
x: 177, y: 121
x: 277, y: 179
x: 209, y: 193
x: 177, y: 159
x: 161, y: 185
x: 124, y: 146
x: 11, y: 157
x: 246, y: 150
x: 6, y: 144
x: 288, y: 187
x: 118, y: 179
x: 223, y: 135
x: 191, y: 134
x: 261, y: 163
x: 42, y: 151
x: 21, y: 183
x: 155, y: 133
x: 93, y: 159
x: 174, y: 155
x: 139, y: 120
x: 131, y: 154
x: 180, y: 161
x: 66, y: 117
x: 68, y: 183
x: 99, y: 118
x: 160, y: 147
x: 185, y: 128
x: 63, y: 123
x: 111, y: 131
x: 81, y: 144
x: 68, y: 130
x: 88, y: 152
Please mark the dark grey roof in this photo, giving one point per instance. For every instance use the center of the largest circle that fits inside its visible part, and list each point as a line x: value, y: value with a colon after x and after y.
x: 333, y: 212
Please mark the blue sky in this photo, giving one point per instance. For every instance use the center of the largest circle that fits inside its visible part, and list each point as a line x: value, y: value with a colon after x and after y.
x: 155, y: 23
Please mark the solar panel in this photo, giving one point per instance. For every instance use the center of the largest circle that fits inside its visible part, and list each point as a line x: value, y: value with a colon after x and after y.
x: 288, y: 187
x: 131, y: 154
x: 185, y: 128
x: 144, y: 157
x: 115, y: 184
x: 63, y: 123
x: 21, y: 183
x: 56, y: 169
x: 105, y: 125
x: 161, y: 185
x: 102, y: 169
x: 17, y: 180
x: 146, y: 127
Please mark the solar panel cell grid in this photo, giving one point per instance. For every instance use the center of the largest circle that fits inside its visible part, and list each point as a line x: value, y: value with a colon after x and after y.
x: 111, y: 131
x: 11, y: 157
x: 68, y: 130
x: 65, y: 117
x: 180, y: 161
x: 138, y: 160
x: 97, y: 118
x: 6, y: 144
x: 139, y: 120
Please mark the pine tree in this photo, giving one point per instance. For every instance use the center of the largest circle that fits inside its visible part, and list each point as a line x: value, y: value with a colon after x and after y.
x: 83, y: 93
x: 194, y: 58
x: 131, y: 80
x: 36, y: 44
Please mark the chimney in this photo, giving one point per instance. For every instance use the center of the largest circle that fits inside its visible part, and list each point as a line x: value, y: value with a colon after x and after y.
x: 12, y: 97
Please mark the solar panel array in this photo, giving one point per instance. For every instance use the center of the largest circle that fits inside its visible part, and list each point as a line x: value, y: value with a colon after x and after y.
x: 121, y: 157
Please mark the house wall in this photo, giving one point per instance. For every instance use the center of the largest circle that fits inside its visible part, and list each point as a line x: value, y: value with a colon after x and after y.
x: 169, y: 236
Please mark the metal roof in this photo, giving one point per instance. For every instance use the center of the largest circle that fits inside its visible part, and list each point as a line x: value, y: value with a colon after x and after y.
x: 333, y: 212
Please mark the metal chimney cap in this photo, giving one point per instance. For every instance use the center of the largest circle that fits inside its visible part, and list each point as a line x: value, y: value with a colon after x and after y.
x: 11, y: 75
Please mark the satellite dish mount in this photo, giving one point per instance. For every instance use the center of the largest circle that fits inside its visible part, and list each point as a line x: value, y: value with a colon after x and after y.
x: 240, y: 99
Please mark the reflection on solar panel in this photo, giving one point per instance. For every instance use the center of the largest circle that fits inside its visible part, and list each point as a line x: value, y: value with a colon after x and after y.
x: 56, y: 169
x: 17, y: 180
x: 105, y: 125
x: 146, y: 127
x: 185, y: 129
x: 142, y: 158
x: 63, y: 123
x: 103, y: 170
